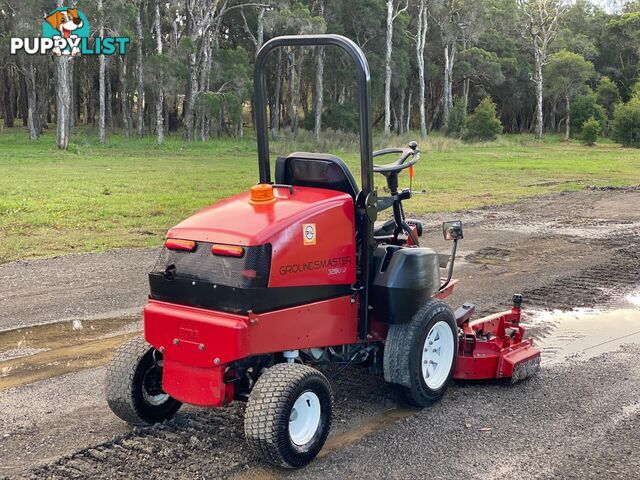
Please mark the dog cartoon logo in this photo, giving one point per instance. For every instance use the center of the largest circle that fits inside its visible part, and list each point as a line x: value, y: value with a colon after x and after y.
x: 69, y: 24
x: 65, y: 31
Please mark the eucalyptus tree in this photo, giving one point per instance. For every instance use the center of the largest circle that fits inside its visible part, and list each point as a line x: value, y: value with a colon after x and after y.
x: 568, y: 73
x: 394, y: 9
x: 102, y: 134
x: 421, y: 41
x: 540, y: 21
x: 460, y: 22
x: 157, y: 27
x: 139, y: 70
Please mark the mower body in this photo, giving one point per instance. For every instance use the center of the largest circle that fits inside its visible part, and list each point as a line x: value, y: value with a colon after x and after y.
x: 253, y: 292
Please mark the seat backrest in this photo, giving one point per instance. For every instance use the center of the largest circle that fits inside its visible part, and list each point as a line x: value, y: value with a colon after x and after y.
x: 318, y: 170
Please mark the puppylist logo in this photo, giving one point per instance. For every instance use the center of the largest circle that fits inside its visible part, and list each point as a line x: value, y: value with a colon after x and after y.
x: 65, y: 31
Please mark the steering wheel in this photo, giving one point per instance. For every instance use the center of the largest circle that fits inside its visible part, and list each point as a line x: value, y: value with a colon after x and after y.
x: 399, y: 164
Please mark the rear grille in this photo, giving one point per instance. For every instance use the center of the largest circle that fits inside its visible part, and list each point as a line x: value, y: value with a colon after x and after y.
x: 249, y: 271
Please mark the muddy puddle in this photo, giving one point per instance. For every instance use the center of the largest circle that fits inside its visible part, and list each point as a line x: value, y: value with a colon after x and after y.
x: 40, y: 352
x: 582, y: 333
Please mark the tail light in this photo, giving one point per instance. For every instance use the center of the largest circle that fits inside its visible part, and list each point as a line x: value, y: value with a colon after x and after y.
x: 227, y: 251
x: 176, y: 244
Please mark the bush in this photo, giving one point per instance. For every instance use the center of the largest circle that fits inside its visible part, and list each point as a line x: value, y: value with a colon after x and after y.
x: 483, y: 123
x: 584, y: 108
x: 625, y: 127
x: 457, y: 119
x: 590, y: 130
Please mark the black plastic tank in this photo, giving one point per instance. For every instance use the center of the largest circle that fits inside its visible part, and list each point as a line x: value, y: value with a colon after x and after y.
x: 404, y: 278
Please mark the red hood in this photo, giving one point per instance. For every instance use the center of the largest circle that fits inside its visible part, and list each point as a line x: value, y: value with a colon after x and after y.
x: 235, y: 221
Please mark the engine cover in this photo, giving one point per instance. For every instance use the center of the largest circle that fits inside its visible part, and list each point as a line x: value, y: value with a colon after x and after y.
x: 298, y: 249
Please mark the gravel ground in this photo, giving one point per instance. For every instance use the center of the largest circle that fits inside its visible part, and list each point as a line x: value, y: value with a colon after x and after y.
x: 576, y: 419
x: 84, y: 286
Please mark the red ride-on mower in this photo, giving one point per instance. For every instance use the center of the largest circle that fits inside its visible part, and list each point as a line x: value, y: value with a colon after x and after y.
x: 251, y: 294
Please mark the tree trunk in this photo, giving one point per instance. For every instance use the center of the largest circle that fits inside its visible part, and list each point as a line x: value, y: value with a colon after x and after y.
x: 63, y: 100
x: 275, y: 115
x: 190, y: 97
x: 110, y: 103
x: 400, y: 122
x: 449, y: 57
x: 567, y: 131
x: 32, y: 101
x: 292, y: 87
x: 408, y: 127
x: 387, y: 65
x: 73, y: 110
x: 160, y: 94
x: 127, y: 121
x: 539, y: 95
x: 43, y: 98
x: 140, y: 68
x: 296, y: 99
x: 9, y: 94
x: 102, y: 130
x: 465, y: 92
x: 421, y: 38
x: 319, y: 103
x: 203, y: 116
x: 23, y: 106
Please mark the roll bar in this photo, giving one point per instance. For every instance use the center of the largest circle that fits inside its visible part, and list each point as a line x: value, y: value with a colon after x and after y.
x: 364, y: 97
x: 366, y: 201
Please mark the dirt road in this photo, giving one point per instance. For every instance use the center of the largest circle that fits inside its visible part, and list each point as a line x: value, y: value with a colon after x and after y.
x: 578, y: 418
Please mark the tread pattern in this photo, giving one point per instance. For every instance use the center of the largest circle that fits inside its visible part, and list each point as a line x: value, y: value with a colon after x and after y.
x: 120, y: 383
x: 400, y: 367
x: 397, y: 348
x: 266, y: 418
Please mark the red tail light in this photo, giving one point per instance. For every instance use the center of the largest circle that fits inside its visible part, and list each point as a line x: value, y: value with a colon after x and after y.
x: 175, y: 244
x: 227, y: 250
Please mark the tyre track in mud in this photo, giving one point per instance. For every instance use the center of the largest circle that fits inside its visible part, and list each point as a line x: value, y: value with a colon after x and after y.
x: 210, y: 443
x: 600, y: 284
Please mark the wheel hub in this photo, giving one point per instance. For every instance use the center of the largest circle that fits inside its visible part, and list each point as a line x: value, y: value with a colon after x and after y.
x: 437, y: 355
x: 152, y: 387
x: 304, y: 419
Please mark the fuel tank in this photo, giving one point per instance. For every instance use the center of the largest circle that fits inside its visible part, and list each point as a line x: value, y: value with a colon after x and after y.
x: 403, y: 279
x: 298, y: 248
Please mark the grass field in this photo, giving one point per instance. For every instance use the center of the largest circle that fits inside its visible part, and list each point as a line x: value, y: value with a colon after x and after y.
x: 129, y: 192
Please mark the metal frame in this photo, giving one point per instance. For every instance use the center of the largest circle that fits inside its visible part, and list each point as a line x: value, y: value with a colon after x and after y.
x: 366, y: 146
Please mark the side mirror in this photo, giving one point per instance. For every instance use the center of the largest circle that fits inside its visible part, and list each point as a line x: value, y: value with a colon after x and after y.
x: 452, y: 230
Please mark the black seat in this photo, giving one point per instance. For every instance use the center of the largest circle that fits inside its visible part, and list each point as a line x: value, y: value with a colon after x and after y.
x: 318, y: 170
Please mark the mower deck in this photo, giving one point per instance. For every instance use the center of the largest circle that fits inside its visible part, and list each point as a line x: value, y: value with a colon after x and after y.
x: 494, y: 347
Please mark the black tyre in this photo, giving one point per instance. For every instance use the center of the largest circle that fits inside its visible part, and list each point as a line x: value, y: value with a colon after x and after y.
x: 420, y: 356
x: 288, y: 415
x: 134, y: 385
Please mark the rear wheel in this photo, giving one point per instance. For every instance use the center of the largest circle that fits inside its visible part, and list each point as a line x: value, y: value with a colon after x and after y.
x: 134, y: 385
x: 288, y: 414
x: 420, y: 355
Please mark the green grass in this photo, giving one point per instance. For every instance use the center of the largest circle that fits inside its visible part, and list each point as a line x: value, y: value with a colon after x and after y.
x: 129, y: 192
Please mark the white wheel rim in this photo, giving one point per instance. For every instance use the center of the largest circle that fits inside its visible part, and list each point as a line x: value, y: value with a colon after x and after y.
x: 304, y: 418
x: 437, y: 355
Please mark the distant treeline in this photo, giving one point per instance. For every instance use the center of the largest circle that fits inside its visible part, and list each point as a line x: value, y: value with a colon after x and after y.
x: 547, y: 64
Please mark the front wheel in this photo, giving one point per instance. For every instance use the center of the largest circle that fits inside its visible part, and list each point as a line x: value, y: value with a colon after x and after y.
x: 134, y: 385
x: 420, y: 355
x: 288, y: 415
